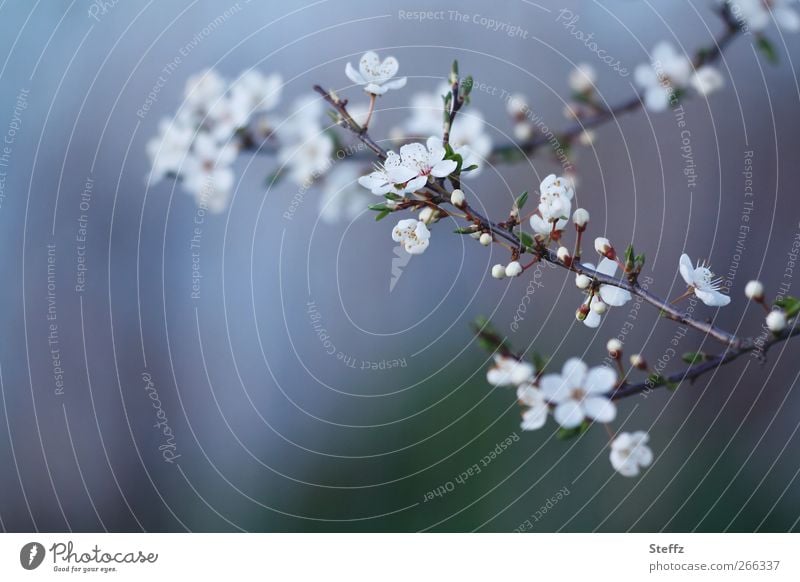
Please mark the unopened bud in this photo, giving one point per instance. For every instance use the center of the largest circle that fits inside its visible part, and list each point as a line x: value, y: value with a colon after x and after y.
x: 582, y: 281
x: 599, y: 307
x: 638, y: 361
x: 614, y: 347
x: 564, y: 256
x: 499, y: 271
x: 582, y: 312
x: 581, y: 218
x: 754, y: 290
x: 485, y: 239
x: 603, y: 247
x: 776, y: 321
x: 429, y: 215
x: 513, y: 269
x: 457, y: 197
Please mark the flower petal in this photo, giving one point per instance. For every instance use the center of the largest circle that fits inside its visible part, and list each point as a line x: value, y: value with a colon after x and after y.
x: 569, y: 414
x: 614, y: 296
x: 574, y: 372
x: 607, y: 267
x: 713, y: 298
x: 369, y: 66
x: 600, y: 380
x: 444, y: 168
x: 599, y: 408
x: 534, y: 418
x: 354, y: 75
x: 687, y: 269
x: 553, y: 388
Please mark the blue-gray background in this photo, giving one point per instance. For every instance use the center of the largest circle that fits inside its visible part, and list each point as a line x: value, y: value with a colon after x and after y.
x: 272, y: 432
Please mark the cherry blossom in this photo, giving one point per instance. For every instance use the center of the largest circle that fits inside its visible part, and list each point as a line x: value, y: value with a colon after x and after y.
x: 413, y: 234
x: 375, y: 75
x: 702, y: 282
x: 536, y: 408
x: 341, y: 198
x: 425, y: 161
x: 630, y: 453
x: 756, y: 13
x: 391, y: 177
x: 208, y: 174
x: 509, y: 371
x: 579, y: 393
x: 668, y: 71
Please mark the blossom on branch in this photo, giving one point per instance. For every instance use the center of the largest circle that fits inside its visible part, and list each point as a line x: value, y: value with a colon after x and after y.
x: 509, y: 371
x: 667, y: 72
x: 413, y: 235
x: 630, y: 453
x: 374, y: 75
x: 579, y: 393
x: 701, y: 281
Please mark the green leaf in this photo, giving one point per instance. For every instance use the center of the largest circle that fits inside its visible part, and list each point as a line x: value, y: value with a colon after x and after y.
x: 790, y: 306
x: 694, y: 357
x: 382, y: 215
x: 526, y: 239
x: 568, y: 433
x: 464, y: 230
x: 766, y: 48
x: 470, y: 168
x: 538, y: 362
x: 379, y: 207
x: 466, y: 86
x: 392, y: 196
x: 629, y: 254
x: 521, y: 200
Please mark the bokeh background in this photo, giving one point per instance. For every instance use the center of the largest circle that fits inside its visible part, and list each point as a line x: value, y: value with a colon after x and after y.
x: 274, y: 434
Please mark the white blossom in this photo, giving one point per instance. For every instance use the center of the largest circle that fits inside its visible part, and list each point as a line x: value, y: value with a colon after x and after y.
x: 630, y: 453
x: 509, y: 371
x: 207, y: 172
x: 168, y: 150
x: 536, y: 408
x: 425, y: 161
x: 702, y: 282
x: 668, y: 71
x: 413, y: 234
x: 468, y: 136
x: 609, y: 295
x: 555, y: 205
x: 391, y: 177
x: 756, y: 13
x: 374, y: 75
x: 582, y: 78
x: 706, y: 80
x: 579, y: 393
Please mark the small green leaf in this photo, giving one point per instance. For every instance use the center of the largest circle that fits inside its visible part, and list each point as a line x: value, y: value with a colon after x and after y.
x: 525, y: 239
x: 470, y: 168
x: 694, y: 357
x: 790, y: 306
x: 521, y: 200
x: 568, y: 433
x: 629, y: 254
x: 379, y: 207
x: 382, y: 215
x: 464, y: 230
x: 466, y: 86
x: 392, y: 196
x: 766, y: 48
x: 538, y: 362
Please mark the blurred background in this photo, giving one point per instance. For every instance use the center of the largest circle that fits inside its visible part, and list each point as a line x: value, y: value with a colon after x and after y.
x: 298, y: 387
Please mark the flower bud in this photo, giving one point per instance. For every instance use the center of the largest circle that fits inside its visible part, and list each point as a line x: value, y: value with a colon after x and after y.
x: 582, y: 312
x: 457, y: 197
x: 599, y: 307
x: 476, y: 235
x: 638, y: 361
x: 583, y: 281
x: 513, y: 269
x: 485, y: 239
x: 614, y: 347
x: 564, y: 256
x: 603, y: 247
x: 754, y: 290
x: 581, y: 218
x: 776, y: 321
x: 498, y: 271
x: 429, y: 215
x: 523, y: 131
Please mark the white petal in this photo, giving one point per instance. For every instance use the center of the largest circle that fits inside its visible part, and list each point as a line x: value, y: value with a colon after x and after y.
x: 568, y: 414
x: 553, y: 388
x: 375, y: 89
x: 396, y: 83
x: 444, y: 168
x: 607, y: 267
x: 713, y: 298
x: 686, y: 269
x: 354, y: 75
x: 614, y: 296
x: 574, y: 372
x: 592, y: 319
x: 600, y: 380
x: 417, y: 183
x: 368, y: 66
x: 534, y: 418
x: 600, y: 409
